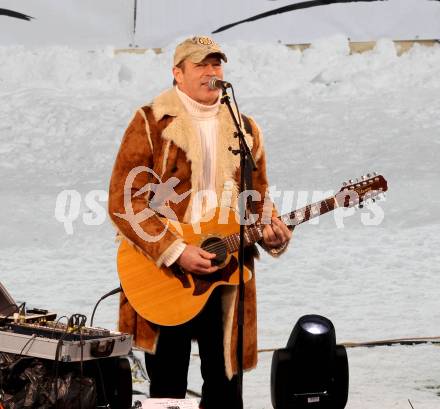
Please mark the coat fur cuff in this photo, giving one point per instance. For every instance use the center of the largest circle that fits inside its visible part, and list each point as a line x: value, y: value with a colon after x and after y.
x: 275, y: 252
x: 170, y: 252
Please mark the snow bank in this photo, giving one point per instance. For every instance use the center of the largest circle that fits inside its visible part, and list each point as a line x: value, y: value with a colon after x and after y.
x: 327, y: 116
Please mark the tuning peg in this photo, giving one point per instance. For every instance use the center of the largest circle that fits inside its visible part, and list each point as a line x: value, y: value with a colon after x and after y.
x: 364, y: 177
x: 368, y: 175
x: 344, y: 184
x: 374, y: 173
x: 350, y: 181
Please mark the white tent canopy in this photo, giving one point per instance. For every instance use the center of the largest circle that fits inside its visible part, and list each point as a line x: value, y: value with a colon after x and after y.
x: 111, y: 22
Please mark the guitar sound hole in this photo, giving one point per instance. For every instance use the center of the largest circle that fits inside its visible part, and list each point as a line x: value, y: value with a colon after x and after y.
x: 215, y: 245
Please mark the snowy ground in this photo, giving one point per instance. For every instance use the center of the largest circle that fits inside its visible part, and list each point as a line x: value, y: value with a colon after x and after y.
x: 327, y: 116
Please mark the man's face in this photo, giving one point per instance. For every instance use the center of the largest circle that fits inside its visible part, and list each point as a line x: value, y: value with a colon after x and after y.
x: 193, y: 79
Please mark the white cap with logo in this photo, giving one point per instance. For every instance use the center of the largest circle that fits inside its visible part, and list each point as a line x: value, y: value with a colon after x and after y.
x: 196, y: 49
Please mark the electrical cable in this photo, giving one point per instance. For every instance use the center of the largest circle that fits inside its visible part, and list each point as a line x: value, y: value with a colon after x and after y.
x: 56, y: 325
x: 101, y: 381
x: 70, y: 320
x: 31, y: 339
x: 55, y: 366
x: 81, y: 369
x: 236, y: 105
x: 114, y: 291
x: 378, y: 343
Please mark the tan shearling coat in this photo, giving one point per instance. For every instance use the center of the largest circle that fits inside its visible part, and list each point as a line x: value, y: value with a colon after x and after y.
x: 161, y: 137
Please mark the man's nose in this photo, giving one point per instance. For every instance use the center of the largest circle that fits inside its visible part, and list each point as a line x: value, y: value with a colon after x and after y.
x: 210, y: 70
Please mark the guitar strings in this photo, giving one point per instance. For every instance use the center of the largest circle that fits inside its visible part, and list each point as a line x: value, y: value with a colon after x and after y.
x: 215, y: 246
x: 219, y: 245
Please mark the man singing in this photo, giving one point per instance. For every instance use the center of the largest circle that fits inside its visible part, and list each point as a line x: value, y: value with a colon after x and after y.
x: 185, y: 133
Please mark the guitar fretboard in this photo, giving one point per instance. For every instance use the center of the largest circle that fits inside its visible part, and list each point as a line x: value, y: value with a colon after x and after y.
x: 292, y: 219
x: 309, y: 212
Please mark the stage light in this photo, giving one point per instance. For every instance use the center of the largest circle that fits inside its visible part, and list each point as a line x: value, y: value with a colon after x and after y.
x: 312, y: 371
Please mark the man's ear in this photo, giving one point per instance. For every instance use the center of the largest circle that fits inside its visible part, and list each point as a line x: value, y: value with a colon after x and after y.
x: 177, y: 73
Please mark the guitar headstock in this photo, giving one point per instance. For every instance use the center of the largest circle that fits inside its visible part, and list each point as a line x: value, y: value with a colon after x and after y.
x: 356, y: 192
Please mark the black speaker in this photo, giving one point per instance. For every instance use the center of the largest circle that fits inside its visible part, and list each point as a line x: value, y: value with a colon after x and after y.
x: 312, y: 371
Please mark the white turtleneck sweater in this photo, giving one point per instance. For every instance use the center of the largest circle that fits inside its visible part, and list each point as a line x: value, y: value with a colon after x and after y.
x: 205, y: 122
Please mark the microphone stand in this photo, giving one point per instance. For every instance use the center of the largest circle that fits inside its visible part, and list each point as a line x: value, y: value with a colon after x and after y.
x: 245, y: 156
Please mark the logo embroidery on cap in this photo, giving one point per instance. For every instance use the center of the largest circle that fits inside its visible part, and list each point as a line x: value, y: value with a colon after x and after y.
x: 205, y: 41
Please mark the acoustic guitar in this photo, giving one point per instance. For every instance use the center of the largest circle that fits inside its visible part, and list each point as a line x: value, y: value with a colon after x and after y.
x: 172, y: 296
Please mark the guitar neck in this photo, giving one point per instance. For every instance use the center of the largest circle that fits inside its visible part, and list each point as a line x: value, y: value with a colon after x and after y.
x: 309, y: 212
x: 292, y: 219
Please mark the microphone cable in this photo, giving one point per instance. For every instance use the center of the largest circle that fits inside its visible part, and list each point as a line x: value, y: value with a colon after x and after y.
x: 236, y: 106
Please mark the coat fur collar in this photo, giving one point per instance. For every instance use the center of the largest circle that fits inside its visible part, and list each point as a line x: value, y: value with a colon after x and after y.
x: 182, y: 133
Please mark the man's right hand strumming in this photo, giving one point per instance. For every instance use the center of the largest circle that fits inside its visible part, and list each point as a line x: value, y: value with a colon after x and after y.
x: 196, y: 260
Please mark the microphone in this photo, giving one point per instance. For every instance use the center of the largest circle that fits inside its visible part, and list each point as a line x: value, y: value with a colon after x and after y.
x: 215, y: 83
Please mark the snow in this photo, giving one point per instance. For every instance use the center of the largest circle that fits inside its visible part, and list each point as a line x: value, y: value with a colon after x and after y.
x: 327, y: 116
